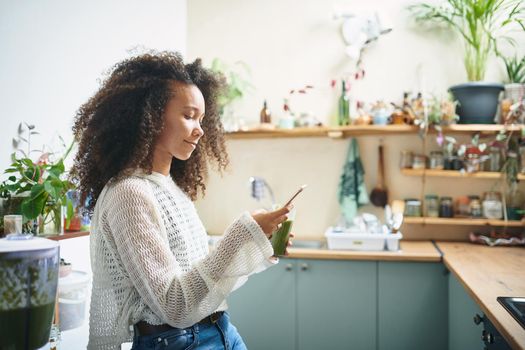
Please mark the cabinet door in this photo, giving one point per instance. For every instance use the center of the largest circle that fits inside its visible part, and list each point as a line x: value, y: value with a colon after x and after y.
x: 463, y: 333
x: 263, y: 309
x: 336, y: 305
x: 413, y: 306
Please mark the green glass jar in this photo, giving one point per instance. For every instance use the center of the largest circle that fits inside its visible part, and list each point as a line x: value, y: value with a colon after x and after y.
x: 431, y: 205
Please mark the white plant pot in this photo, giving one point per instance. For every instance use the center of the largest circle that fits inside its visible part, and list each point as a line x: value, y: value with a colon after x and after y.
x: 514, y: 91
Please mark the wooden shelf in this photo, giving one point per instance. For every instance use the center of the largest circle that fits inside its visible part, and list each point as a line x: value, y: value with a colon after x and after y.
x: 455, y: 173
x: 462, y: 221
x: 361, y: 130
x: 67, y: 235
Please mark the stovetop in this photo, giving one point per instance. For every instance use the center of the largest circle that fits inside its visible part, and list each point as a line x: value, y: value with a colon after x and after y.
x: 516, y: 307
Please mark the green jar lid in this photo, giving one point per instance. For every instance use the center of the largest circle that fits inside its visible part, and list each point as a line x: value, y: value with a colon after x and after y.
x: 431, y: 196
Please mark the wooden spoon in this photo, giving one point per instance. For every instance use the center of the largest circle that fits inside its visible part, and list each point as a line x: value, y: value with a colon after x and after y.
x: 379, y: 195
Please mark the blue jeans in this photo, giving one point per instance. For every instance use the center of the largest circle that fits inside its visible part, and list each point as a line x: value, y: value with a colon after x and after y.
x: 220, y: 335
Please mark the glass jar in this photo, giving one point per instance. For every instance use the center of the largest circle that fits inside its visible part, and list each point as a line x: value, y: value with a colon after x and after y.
x: 412, y: 207
x: 419, y: 162
x: 475, y: 206
x: 515, y: 200
x: 522, y: 158
x: 462, y: 206
x: 431, y: 205
x: 492, y: 207
x: 446, y: 208
x: 494, y: 163
x: 407, y: 157
x: 437, y: 161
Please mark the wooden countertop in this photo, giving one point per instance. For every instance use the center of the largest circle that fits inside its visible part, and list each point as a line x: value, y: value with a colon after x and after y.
x: 410, y: 251
x: 487, y: 273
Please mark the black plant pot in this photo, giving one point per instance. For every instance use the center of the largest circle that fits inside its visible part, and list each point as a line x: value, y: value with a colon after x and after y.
x: 478, y: 102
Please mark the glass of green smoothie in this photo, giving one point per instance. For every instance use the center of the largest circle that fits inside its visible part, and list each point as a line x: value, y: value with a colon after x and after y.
x: 280, y: 237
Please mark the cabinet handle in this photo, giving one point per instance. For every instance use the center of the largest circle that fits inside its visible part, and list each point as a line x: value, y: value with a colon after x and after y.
x: 487, y: 337
x: 304, y: 267
x: 478, y: 319
x: 288, y: 267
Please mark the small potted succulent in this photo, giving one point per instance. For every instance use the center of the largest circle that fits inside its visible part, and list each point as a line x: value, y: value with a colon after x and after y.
x: 515, y: 85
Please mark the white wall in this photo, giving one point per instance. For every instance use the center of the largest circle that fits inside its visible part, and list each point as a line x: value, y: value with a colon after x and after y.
x: 290, y: 43
x: 52, y: 55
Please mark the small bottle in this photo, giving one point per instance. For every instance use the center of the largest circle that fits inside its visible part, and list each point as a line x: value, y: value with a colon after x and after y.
x: 266, y: 115
x: 343, y: 116
x: 287, y: 120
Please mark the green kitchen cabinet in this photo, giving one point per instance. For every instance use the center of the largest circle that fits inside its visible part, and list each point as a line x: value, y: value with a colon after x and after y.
x: 305, y: 304
x: 412, y: 306
x: 463, y: 333
x: 336, y: 304
x: 264, y: 309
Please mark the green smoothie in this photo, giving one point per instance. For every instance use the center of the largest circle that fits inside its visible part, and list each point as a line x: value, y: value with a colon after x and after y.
x: 280, y: 238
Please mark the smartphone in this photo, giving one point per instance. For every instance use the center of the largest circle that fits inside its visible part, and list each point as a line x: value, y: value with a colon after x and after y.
x: 295, y: 194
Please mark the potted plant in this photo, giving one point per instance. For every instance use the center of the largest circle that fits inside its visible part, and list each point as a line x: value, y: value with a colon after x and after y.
x: 479, y: 24
x: 236, y: 87
x: 37, y: 189
x: 515, y: 86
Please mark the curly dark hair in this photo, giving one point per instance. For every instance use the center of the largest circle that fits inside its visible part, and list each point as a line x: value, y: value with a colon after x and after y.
x: 118, y: 127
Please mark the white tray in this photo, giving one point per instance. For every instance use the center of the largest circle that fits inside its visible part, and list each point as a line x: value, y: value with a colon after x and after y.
x: 362, y: 241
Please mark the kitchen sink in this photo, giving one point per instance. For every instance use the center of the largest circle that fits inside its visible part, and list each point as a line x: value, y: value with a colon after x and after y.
x: 516, y: 307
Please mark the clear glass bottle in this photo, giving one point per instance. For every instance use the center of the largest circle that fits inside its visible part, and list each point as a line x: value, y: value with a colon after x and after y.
x: 492, y: 207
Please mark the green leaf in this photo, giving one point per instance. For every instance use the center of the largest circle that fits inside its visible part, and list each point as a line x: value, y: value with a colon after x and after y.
x: 37, y: 191
x: 57, y: 169
x: 53, y: 190
x: 32, y: 207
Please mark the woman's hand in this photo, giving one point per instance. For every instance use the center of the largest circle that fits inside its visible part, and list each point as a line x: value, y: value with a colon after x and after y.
x: 289, y: 243
x: 270, y: 220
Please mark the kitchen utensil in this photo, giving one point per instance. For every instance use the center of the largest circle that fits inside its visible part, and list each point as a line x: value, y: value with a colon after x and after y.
x: 397, y: 221
x: 388, y: 217
x: 379, y: 195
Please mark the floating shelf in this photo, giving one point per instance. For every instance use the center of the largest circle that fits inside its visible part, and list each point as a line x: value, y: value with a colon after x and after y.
x: 462, y: 221
x: 455, y: 173
x: 362, y: 130
x: 67, y: 235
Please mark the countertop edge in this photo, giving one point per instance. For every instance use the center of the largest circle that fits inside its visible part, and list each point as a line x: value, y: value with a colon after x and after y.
x: 509, y: 337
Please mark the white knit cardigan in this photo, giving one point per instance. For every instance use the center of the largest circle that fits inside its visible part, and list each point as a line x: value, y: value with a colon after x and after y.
x: 150, y: 259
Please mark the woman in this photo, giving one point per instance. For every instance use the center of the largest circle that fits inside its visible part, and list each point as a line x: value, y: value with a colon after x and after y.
x: 144, y: 142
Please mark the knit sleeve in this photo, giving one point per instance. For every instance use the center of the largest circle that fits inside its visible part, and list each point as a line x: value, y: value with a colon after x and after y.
x: 180, y: 299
